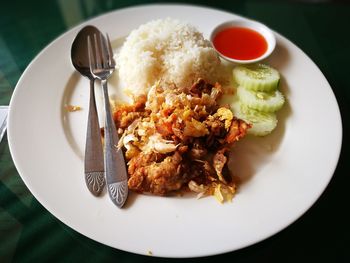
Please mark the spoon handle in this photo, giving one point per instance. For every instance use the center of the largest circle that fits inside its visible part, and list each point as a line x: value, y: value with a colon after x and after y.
x: 94, y: 164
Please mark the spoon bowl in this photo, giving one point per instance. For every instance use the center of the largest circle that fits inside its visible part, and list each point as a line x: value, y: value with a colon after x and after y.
x: 79, y: 50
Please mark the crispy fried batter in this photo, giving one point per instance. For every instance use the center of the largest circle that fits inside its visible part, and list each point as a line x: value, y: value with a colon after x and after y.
x: 238, y: 129
x: 126, y: 114
x: 159, y: 178
x: 179, y: 137
x: 198, y: 151
x: 219, y: 162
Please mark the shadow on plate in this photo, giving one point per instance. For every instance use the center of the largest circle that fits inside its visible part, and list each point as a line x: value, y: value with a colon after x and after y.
x: 252, y: 153
x: 279, y: 58
x: 66, y: 100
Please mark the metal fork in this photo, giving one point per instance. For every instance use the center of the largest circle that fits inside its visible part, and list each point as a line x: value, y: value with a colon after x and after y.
x: 102, y: 66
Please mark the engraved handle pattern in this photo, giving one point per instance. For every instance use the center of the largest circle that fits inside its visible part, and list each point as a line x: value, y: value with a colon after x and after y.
x: 116, y: 172
x: 95, y: 181
x: 93, y: 163
x: 118, y: 192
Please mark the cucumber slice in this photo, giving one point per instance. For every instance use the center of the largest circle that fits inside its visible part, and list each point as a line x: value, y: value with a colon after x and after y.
x: 262, y: 101
x: 263, y: 123
x: 257, y: 77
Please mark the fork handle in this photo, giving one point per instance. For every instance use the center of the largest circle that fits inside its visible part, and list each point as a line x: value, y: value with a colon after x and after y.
x: 115, y: 168
x: 94, y: 165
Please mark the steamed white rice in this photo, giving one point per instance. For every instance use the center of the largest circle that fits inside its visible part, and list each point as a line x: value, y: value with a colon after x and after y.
x: 165, y: 50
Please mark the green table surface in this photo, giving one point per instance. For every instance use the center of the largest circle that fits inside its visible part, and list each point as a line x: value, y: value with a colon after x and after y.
x: 29, y: 233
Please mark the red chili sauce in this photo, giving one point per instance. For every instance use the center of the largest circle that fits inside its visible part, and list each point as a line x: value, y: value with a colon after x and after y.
x: 240, y: 43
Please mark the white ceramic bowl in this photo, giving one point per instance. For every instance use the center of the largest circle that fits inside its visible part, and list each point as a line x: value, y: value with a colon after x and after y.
x: 256, y: 26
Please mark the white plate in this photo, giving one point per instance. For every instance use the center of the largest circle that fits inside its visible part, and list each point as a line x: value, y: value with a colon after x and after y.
x: 282, y: 174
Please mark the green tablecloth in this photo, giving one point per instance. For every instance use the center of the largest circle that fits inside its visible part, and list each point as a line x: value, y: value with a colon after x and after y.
x: 28, y: 232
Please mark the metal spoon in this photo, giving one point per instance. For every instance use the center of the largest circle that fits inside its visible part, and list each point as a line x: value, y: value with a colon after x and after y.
x: 93, y: 163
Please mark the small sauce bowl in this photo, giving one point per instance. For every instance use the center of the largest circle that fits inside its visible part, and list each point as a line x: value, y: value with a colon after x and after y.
x: 228, y: 45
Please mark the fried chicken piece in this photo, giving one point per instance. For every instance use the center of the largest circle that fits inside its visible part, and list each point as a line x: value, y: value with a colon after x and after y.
x: 123, y: 118
x: 200, y: 87
x: 195, y: 128
x: 199, y: 171
x: 157, y: 178
x: 126, y: 114
x: 198, y: 130
x: 142, y: 160
x: 164, y: 128
x: 198, y: 151
x: 219, y: 162
x: 237, y: 130
x: 216, y: 126
x: 226, y: 115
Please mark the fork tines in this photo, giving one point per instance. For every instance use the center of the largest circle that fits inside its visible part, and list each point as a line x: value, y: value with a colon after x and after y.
x: 103, y: 57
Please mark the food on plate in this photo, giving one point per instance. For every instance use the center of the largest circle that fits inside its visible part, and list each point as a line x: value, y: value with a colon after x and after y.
x: 262, y: 101
x: 258, y: 98
x: 176, y: 135
x: 72, y: 108
x: 257, y: 77
x: 168, y: 51
x: 179, y: 138
x: 262, y: 123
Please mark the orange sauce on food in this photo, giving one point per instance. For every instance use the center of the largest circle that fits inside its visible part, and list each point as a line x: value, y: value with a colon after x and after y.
x: 240, y: 43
